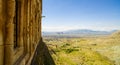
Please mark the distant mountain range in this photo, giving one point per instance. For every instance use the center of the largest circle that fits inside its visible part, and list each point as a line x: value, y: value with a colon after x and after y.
x: 79, y: 32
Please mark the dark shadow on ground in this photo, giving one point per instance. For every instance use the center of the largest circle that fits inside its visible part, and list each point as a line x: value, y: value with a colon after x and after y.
x: 42, y: 55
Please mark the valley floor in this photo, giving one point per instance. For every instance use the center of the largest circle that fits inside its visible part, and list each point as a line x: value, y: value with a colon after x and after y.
x: 85, y: 51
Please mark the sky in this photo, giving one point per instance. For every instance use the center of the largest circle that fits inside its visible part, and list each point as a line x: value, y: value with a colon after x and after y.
x: 62, y: 15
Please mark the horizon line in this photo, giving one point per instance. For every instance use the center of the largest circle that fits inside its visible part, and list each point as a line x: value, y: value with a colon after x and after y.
x: 78, y: 29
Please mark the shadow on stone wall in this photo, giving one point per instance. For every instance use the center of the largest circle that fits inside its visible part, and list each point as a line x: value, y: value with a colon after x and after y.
x: 42, y: 55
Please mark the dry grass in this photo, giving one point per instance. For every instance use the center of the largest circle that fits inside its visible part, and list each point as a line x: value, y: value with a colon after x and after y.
x: 86, y: 51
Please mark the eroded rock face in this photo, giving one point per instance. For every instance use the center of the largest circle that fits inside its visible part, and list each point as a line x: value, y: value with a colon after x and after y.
x: 20, y: 31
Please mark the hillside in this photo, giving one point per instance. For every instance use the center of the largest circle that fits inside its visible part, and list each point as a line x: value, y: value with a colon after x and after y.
x: 116, y: 34
x: 110, y: 47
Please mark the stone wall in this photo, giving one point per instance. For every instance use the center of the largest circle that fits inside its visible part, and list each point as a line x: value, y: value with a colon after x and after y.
x: 20, y: 30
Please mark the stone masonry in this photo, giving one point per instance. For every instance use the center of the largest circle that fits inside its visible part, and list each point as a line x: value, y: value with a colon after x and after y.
x: 20, y: 31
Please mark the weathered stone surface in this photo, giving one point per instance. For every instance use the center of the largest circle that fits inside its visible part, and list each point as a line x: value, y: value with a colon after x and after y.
x: 20, y: 33
x: 9, y: 55
x: 1, y: 55
x: 1, y: 38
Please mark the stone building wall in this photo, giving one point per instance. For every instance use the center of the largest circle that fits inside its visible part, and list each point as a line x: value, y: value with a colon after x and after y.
x: 20, y: 30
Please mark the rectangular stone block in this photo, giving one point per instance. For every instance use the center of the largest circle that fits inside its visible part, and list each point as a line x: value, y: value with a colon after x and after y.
x: 9, y: 54
x: 1, y: 38
x: 1, y: 55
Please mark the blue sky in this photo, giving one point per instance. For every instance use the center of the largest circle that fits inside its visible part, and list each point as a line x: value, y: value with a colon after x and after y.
x: 81, y: 14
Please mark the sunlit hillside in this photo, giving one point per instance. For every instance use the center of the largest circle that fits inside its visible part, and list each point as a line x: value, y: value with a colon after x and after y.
x: 103, y: 50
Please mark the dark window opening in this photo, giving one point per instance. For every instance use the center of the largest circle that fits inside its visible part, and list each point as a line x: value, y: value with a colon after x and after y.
x: 16, y: 25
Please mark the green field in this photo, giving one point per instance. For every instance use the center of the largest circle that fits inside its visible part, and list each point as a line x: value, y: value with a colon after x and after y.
x: 103, y: 50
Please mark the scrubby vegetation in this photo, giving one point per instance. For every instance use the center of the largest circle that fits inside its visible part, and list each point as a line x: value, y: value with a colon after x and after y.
x: 86, y: 51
